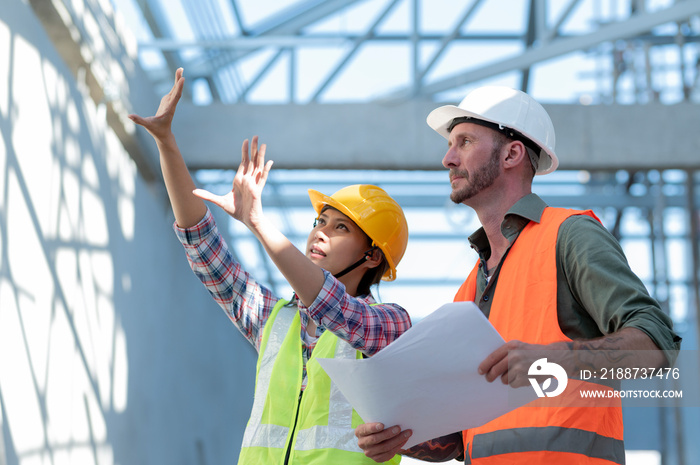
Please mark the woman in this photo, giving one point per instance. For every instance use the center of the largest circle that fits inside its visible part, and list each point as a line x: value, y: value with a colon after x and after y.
x: 359, y: 237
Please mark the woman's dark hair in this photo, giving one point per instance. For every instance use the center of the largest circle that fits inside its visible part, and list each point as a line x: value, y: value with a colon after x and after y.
x: 372, y: 276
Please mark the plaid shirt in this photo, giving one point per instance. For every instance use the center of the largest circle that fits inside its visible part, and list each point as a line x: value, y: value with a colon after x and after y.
x: 368, y: 328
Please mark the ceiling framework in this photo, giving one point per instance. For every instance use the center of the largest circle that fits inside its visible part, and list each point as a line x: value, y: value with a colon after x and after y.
x: 620, y: 78
x: 315, y: 71
x: 624, y: 35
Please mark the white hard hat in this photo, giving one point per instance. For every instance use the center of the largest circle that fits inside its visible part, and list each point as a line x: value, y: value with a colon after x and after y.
x: 508, y: 109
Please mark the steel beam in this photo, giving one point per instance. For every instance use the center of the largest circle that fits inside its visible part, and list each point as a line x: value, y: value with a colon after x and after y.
x: 396, y: 137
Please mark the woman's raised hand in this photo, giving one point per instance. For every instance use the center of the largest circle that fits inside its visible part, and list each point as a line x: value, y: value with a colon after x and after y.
x: 159, y: 125
x: 244, y: 201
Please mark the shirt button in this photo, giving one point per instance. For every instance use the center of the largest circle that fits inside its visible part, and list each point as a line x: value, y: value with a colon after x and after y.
x: 486, y: 298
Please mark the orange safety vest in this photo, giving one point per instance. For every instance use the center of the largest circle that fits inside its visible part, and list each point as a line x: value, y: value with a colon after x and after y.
x: 524, y: 308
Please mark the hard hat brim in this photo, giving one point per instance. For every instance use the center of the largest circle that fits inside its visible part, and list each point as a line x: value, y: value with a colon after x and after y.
x: 318, y: 200
x: 440, y: 119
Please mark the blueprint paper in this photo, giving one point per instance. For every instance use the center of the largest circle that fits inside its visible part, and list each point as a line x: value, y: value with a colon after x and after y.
x: 427, y: 379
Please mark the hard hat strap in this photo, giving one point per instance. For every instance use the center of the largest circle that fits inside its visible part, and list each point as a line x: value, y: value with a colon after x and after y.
x: 367, y: 255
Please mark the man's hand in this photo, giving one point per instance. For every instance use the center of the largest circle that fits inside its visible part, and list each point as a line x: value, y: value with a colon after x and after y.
x: 512, y: 360
x: 381, y: 444
x: 626, y: 348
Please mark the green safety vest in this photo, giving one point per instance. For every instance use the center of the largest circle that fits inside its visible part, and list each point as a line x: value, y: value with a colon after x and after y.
x: 325, y: 421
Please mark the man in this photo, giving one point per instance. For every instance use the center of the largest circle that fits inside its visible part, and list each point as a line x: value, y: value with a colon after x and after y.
x: 552, y: 281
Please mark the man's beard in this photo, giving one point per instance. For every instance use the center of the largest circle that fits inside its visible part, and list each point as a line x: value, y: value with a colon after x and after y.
x: 482, y: 178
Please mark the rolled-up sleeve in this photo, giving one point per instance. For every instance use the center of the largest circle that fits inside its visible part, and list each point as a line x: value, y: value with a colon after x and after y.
x: 601, y: 280
x: 246, y: 303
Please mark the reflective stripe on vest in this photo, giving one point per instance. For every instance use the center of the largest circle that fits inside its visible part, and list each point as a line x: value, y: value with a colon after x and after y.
x: 532, y: 434
x: 339, y: 416
x: 548, y: 438
x: 265, y: 435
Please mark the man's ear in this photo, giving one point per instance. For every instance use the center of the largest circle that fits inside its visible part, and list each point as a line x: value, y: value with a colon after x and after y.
x: 516, y: 153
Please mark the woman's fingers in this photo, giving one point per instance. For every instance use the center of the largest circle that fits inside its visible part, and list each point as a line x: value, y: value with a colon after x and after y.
x: 253, y: 160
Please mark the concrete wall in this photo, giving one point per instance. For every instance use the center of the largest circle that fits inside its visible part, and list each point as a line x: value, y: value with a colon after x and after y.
x: 110, y: 349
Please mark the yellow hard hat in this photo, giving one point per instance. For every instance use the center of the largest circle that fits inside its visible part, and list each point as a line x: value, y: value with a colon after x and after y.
x: 376, y: 213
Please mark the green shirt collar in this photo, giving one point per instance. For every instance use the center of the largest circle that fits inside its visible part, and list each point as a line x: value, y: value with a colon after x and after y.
x: 529, y: 208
